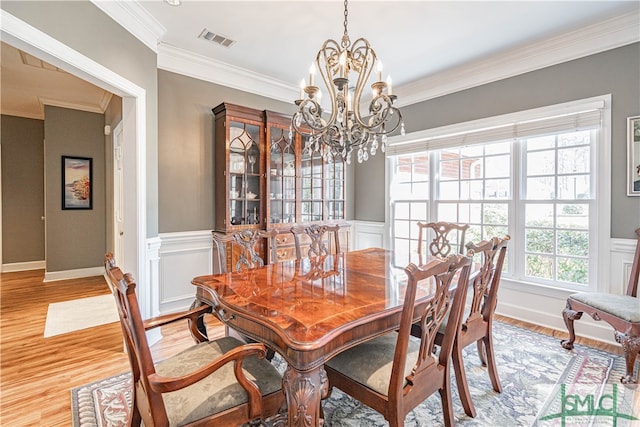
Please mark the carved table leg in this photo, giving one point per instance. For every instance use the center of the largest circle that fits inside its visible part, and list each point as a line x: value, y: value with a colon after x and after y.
x: 631, y: 347
x: 569, y: 316
x: 304, y: 391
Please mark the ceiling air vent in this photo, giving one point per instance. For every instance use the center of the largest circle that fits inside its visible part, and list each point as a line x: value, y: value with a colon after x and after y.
x: 216, y: 38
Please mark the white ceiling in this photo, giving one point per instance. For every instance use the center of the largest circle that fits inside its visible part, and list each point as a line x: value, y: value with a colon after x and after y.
x: 424, y: 45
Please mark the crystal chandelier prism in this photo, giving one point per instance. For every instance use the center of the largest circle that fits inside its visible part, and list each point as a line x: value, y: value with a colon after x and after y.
x: 344, y: 130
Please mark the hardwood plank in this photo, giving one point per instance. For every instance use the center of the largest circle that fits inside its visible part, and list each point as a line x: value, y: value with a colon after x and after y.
x: 37, y: 373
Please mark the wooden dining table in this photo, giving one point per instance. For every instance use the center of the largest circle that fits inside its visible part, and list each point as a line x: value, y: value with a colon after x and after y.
x: 308, y: 311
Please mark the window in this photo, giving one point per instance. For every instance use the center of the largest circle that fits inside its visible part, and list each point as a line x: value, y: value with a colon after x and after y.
x: 534, y: 179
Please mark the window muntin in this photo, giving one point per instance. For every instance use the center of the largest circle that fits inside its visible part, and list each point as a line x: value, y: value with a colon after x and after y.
x: 554, y: 176
x: 556, y: 201
x: 410, y: 194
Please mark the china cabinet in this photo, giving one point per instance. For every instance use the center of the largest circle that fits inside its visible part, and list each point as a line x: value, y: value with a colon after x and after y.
x: 266, y: 179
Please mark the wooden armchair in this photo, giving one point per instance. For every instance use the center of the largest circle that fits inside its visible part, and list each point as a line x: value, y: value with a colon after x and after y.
x: 477, y: 320
x: 316, y: 234
x: 221, y: 382
x: 622, y: 312
x: 443, y: 234
x: 395, y: 372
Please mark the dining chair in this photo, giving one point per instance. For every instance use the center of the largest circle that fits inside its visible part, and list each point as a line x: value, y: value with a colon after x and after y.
x: 477, y: 319
x: 313, y: 236
x: 396, y: 372
x: 239, y: 251
x: 622, y: 312
x: 446, y: 237
x: 219, y: 382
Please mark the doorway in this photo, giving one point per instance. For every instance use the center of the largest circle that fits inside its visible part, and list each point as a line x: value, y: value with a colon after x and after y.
x: 39, y: 44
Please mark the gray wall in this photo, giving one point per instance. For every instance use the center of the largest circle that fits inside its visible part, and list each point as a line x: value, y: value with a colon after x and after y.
x: 615, y: 72
x: 22, y: 189
x: 86, y: 29
x: 185, y: 147
x: 75, y: 238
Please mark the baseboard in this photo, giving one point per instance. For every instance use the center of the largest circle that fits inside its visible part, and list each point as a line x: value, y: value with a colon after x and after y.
x: 24, y: 266
x: 585, y: 327
x: 52, y: 276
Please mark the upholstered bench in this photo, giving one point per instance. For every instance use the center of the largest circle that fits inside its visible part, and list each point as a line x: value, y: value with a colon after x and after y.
x: 620, y: 311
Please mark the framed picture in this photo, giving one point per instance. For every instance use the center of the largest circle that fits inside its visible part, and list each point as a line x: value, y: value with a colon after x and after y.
x: 77, y: 182
x: 633, y: 155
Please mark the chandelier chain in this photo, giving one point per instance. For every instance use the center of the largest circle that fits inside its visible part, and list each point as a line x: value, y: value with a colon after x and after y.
x: 345, y: 38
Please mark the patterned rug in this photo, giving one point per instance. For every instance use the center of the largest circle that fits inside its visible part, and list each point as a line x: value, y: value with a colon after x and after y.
x: 543, y: 385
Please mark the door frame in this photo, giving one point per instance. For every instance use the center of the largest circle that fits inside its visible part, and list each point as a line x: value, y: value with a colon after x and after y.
x: 23, y: 36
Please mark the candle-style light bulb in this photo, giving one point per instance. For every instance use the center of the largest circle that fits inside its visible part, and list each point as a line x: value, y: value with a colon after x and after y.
x: 379, y: 70
x: 389, y: 91
x: 343, y: 63
x: 302, y: 85
x: 312, y: 72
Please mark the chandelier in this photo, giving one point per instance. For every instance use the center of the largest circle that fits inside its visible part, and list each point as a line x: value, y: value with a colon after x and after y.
x: 345, y: 129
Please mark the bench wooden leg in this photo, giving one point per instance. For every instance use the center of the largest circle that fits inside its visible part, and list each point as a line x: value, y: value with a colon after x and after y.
x: 631, y: 347
x: 569, y: 315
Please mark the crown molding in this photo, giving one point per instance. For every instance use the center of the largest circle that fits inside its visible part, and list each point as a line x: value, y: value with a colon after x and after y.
x: 135, y: 19
x: 612, y: 33
x: 200, y: 67
x: 24, y: 114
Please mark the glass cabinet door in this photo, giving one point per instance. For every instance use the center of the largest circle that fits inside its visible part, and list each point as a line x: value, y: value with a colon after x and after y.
x: 244, y: 173
x: 334, y: 188
x: 311, y: 171
x: 282, y: 176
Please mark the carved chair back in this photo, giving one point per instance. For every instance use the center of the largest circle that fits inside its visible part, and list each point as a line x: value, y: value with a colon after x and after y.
x: 447, y: 300
x: 632, y: 287
x: 487, y: 280
x: 416, y: 371
x: 446, y: 235
x: 238, y: 249
x: 477, y: 322
x: 315, y: 236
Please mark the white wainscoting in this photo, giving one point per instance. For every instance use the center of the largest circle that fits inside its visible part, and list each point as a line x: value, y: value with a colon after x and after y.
x: 183, y: 256
x: 367, y: 234
x: 544, y: 306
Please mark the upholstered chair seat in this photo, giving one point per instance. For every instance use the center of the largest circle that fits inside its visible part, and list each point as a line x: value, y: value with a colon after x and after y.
x: 624, y: 307
x: 371, y: 363
x: 220, y: 390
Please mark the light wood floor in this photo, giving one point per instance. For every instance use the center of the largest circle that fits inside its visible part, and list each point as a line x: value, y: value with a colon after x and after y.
x: 37, y: 373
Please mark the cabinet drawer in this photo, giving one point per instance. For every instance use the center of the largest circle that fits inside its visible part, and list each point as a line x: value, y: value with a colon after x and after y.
x: 285, y: 253
x: 285, y: 239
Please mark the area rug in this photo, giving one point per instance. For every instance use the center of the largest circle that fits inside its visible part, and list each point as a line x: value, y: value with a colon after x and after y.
x: 68, y: 316
x: 538, y: 378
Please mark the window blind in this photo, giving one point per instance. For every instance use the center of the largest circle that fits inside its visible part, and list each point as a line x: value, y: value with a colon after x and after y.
x: 575, y: 121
